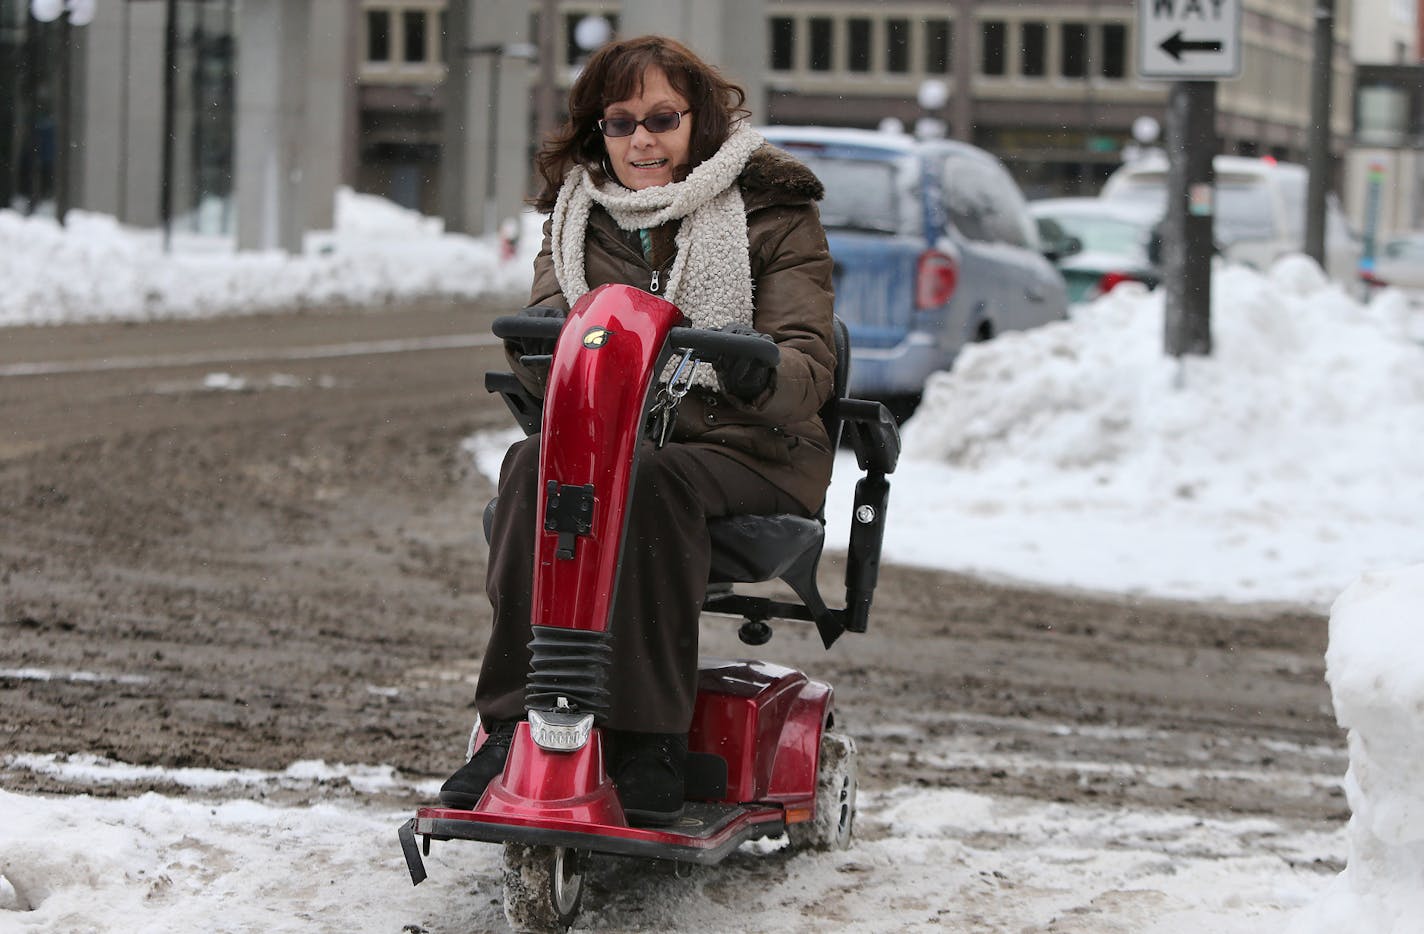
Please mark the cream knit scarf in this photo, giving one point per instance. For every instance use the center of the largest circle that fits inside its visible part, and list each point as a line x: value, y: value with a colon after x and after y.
x: 711, y: 278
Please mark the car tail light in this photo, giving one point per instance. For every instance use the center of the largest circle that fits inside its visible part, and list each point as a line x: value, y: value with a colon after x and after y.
x: 935, y: 279
x: 1112, y: 280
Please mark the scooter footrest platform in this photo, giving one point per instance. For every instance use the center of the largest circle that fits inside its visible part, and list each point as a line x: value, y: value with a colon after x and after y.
x: 704, y: 835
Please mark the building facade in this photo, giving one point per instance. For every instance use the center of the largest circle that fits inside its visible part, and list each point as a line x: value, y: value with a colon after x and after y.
x: 1384, y: 172
x: 427, y: 102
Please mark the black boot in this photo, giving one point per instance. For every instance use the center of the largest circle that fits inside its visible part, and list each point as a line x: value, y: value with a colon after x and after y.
x: 464, y: 789
x: 648, y: 770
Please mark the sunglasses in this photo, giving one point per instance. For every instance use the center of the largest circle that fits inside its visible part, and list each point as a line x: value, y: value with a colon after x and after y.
x: 653, y: 123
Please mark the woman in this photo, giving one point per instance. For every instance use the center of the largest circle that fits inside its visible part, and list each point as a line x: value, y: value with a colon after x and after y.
x: 656, y: 182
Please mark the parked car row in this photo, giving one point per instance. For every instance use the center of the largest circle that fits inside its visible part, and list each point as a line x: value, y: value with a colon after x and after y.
x: 935, y: 246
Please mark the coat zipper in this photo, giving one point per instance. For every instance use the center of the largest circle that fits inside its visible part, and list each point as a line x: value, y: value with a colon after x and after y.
x: 656, y: 274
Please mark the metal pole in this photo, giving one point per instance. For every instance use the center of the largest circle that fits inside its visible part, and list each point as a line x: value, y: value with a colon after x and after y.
x: 546, y: 113
x: 1191, y: 205
x: 962, y: 67
x: 492, y: 149
x: 61, y: 120
x: 1319, y: 158
x: 123, y: 160
x: 170, y: 69
x: 30, y: 143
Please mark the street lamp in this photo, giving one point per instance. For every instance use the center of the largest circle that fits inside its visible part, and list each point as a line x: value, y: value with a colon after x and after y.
x: 589, y: 33
x: 932, y: 95
x: 497, y: 51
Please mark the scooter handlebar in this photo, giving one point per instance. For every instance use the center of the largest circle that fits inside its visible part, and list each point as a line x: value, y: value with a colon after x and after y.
x: 710, y: 345
x: 512, y: 327
x: 715, y: 345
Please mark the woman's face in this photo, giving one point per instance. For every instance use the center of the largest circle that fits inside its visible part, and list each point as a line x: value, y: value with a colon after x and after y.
x: 646, y: 159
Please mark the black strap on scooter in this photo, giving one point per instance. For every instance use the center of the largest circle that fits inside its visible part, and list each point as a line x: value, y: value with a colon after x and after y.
x: 568, y: 510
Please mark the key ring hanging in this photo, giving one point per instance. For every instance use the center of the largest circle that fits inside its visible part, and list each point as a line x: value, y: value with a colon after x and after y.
x: 663, y: 413
x: 678, y: 384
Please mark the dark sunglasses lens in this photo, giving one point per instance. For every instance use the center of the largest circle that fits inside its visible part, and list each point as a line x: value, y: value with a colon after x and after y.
x: 661, y: 123
x: 619, y: 126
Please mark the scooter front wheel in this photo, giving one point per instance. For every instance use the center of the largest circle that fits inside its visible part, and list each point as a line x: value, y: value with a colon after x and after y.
x: 543, y: 887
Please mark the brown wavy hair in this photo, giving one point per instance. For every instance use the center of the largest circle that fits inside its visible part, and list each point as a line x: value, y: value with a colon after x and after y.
x: 615, y: 73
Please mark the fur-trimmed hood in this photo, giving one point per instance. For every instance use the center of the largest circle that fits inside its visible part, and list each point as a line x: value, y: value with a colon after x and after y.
x: 774, y: 176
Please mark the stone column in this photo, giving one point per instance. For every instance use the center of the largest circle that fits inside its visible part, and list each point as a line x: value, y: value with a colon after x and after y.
x: 730, y: 34
x: 293, y: 105
x: 485, y: 161
x: 118, y: 134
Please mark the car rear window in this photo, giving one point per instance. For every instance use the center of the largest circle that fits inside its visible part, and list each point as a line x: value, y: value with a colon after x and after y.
x: 1105, y: 234
x: 861, y: 194
x: 1243, y: 203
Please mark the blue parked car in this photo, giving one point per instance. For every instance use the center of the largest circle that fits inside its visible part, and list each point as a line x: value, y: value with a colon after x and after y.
x: 933, y: 249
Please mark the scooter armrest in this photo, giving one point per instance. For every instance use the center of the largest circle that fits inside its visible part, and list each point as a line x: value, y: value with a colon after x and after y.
x: 526, y: 409
x: 874, y: 436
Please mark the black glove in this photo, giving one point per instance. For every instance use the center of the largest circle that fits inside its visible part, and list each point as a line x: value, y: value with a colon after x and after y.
x: 535, y: 346
x: 743, y: 377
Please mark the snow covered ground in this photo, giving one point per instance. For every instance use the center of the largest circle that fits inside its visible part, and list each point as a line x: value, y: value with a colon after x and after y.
x: 1280, y: 469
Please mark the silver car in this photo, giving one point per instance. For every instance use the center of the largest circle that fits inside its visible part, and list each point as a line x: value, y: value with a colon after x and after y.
x: 1260, y: 210
x: 1398, y: 264
x: 933, y: 249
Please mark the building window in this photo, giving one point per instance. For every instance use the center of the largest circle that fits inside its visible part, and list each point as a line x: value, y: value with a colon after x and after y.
x: 858, y: 44
x: 783, y: 43
x: 992, y: 42
x: 1033, y: 50
x: 1075, y: 50
x: 822, y: 44
x: 1114, y: 63
x: 939, y: 37
x: 413, y: 23
x: 897, y: 46
x: 378, y: 35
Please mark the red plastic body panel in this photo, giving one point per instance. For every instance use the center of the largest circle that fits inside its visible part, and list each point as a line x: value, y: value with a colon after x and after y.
x: 593, y: 411
x: 560, y: 786
x: 766, y: 721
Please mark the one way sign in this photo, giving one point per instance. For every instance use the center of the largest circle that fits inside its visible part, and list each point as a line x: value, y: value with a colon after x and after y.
x: 1189, y: 38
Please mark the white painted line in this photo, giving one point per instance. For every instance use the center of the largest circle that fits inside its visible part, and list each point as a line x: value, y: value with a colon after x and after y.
x: 320, y: 352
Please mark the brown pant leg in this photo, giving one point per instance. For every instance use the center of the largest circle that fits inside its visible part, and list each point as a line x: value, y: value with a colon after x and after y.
x: 659, y: 594
x: 509, y: 582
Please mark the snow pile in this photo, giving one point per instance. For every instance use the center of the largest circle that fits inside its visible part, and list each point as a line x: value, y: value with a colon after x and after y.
x: 1375, y: 666
x: 94, y: 269
x: 1078, y: 454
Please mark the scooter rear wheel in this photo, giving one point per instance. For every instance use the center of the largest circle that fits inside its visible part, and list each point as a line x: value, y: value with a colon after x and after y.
x: 836, y: 783
x: 543, y: 887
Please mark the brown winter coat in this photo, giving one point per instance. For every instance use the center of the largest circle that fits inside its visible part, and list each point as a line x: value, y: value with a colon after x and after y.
x: 779, y: 433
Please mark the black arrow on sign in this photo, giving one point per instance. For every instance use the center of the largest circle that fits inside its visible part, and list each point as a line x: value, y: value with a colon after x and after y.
x: 1174, y: 45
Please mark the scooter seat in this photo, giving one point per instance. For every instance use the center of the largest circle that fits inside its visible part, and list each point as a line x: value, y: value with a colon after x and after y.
x: 747, y: 549
x: 750, y: 549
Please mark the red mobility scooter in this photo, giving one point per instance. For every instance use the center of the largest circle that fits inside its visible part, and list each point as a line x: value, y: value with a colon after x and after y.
x: 762, y: 758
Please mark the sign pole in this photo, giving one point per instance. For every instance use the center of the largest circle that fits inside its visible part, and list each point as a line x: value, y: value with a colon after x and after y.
x: 1318, y: 184
x: 1192, y: 43
x: 1187, y: 242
